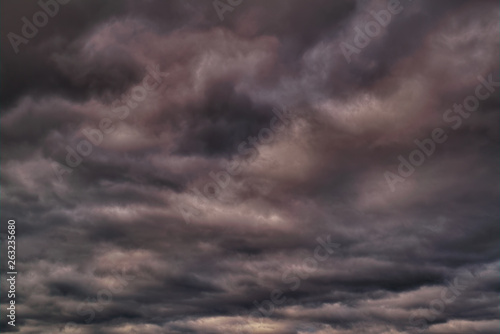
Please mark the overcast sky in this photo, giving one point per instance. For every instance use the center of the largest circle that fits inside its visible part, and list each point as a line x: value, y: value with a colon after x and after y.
x: 251, y: 166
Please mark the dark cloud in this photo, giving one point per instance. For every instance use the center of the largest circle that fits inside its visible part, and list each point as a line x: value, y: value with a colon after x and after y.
x: 251, y: 166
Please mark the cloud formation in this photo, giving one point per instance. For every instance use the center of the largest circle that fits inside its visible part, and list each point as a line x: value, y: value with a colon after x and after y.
x: 104, y: 246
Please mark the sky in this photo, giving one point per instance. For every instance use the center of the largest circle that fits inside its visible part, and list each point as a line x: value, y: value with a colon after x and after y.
x: 250, y: 166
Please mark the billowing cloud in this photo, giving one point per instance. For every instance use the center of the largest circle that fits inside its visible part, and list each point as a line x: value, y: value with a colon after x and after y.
x: 172, y: 172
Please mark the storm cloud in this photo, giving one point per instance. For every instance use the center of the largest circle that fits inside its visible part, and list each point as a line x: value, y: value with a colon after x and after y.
x: 239, y: 166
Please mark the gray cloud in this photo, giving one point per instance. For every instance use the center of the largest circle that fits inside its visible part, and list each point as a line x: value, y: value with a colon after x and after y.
x: 105, y: 248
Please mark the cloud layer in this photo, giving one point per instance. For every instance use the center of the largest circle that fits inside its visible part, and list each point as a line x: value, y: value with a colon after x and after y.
x: 170, y: 172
